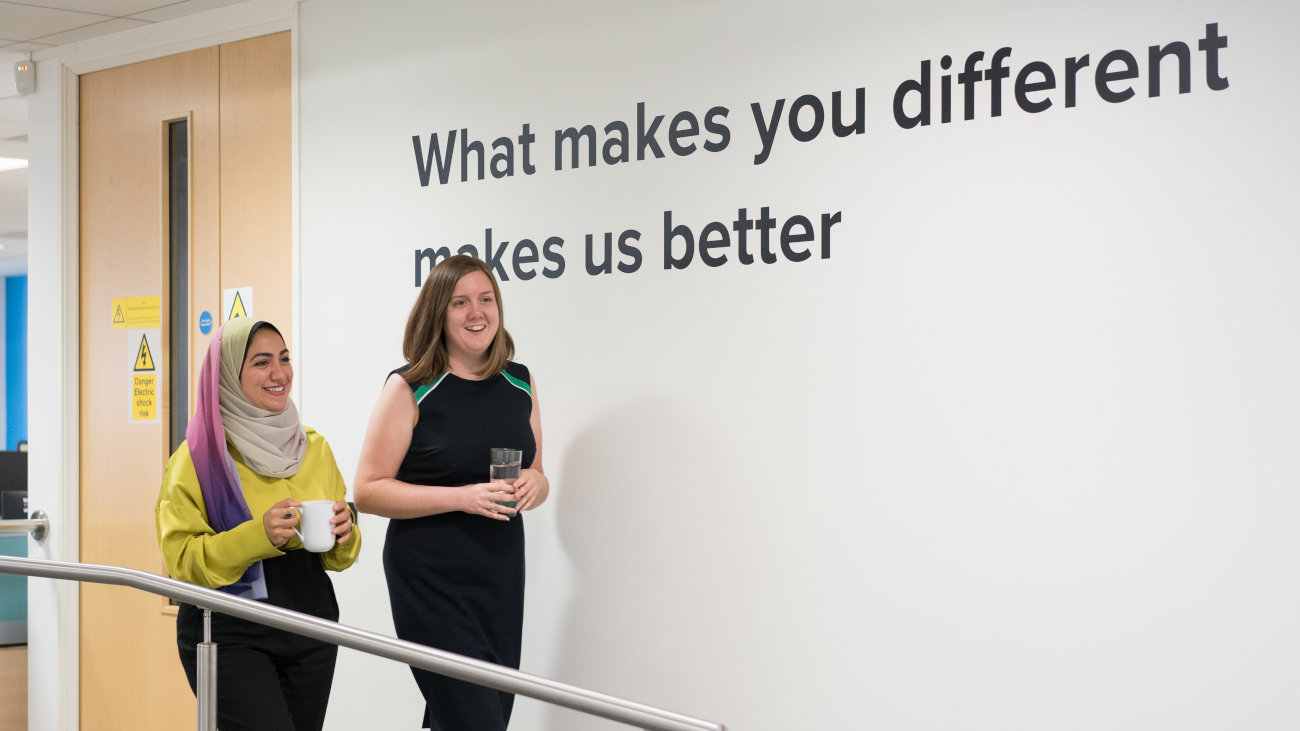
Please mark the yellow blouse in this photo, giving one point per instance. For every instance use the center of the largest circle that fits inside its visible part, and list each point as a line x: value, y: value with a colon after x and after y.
x: 193, y: 551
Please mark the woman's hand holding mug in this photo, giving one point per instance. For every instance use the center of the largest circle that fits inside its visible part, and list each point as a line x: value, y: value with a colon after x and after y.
x: 323, y: 523
x: 280, y: 520
x: 341, y: 523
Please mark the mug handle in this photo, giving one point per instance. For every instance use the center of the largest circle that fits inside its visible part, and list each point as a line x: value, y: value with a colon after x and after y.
x: 295, y: 530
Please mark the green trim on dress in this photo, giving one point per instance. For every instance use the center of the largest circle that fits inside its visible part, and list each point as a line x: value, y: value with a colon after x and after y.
x: 522, y: 385
x: 427, y: 388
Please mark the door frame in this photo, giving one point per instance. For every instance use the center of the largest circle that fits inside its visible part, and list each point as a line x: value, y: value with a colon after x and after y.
x: 54, y: 322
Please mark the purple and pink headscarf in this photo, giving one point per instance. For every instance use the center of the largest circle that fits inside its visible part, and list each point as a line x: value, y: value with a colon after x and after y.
x: 274, y: 439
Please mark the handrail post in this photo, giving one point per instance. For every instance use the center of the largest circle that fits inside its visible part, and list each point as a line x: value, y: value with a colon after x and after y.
x: 206, y: 685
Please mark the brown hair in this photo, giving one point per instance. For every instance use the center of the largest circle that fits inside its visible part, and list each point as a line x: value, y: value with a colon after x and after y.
x: 424, y: 346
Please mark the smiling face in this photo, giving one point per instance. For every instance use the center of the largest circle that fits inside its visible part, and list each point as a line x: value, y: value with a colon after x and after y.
x: 267, y: 375
x: 472, y: 319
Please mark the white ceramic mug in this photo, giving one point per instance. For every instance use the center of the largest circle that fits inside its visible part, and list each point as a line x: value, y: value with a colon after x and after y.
x: 317, y: 533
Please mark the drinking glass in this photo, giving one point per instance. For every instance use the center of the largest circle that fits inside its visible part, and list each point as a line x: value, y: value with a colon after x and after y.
x: 505, y: 466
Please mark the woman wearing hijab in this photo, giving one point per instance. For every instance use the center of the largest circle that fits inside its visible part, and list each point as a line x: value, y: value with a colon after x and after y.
x: 225, y: 520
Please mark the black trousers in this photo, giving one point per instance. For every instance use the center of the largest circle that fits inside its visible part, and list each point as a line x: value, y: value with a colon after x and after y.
x: 280, y: 684
x: 269, y: 679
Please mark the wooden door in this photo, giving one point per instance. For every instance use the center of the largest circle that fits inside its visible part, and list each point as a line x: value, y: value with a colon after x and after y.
x: 235, y: 100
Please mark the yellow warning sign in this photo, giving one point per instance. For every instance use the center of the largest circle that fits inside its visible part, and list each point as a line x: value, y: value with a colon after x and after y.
x: 237, y: 302
x: 144, y: 358
x: 137, y: 311
x: 142, y: 350
x: 144, y: 397
x: 237, y: 308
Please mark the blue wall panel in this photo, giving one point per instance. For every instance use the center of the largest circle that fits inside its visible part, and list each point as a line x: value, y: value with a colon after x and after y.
x: 16, y: 360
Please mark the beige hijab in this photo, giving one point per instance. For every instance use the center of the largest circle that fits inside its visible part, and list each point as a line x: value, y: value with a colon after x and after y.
x: 272, y: 443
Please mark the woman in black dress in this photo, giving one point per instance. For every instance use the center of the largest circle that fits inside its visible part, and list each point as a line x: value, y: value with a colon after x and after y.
x: 454, y: 554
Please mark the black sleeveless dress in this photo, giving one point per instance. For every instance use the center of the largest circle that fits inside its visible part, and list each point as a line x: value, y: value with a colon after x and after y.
x: 456, y: 580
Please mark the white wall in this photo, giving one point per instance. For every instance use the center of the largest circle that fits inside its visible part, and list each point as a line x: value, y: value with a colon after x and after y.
x: 1018, y: 454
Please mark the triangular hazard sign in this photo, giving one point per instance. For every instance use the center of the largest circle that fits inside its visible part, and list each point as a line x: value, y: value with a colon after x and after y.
x: 118, y: 317
x: 237, y: 308
x: 144, y: 360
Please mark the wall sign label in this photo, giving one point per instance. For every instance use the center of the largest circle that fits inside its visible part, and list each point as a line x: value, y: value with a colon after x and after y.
x: 142, y: 372
x: 128, y: 312
x: 237, y: 302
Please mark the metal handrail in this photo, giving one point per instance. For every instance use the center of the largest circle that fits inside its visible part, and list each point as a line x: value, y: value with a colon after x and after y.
x: 37, y: 525
x: 410, y: 653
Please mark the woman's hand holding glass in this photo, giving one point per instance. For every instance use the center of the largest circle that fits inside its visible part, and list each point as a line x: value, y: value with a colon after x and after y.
x: 485, y: 498
x: 528, y: 486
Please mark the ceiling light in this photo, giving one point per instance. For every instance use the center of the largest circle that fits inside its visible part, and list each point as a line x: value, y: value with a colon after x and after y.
x: 12, y: 163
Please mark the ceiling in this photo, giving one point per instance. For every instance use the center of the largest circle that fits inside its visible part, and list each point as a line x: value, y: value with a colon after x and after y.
x: 33, y: 25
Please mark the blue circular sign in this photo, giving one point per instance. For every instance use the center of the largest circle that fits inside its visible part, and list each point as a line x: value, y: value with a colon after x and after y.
x: 205, y: 322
